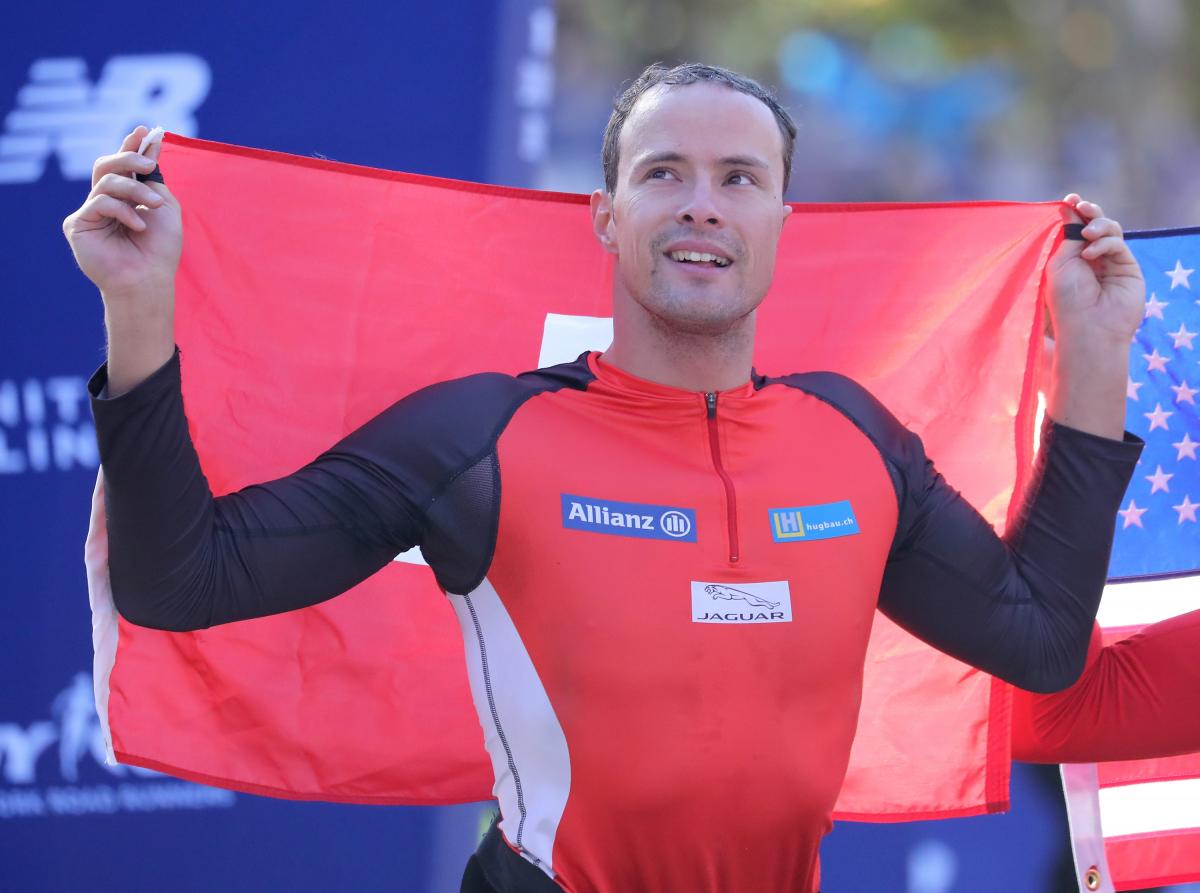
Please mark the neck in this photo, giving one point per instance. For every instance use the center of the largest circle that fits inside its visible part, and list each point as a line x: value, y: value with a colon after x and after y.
x: 649, y: 347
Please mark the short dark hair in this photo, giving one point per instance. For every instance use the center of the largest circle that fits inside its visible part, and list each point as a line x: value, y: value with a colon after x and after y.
x: 681, y: 75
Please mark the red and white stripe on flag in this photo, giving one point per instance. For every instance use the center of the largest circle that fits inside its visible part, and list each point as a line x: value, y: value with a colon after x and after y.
x: 1136, y: 823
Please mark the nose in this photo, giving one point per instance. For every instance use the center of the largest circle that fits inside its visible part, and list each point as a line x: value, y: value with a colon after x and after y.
x: 700, y: 207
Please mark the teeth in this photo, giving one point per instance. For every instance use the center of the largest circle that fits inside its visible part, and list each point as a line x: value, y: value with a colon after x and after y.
x: 699, y: 257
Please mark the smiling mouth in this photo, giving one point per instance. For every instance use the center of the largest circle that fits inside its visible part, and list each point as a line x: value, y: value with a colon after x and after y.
x: 699, y: 259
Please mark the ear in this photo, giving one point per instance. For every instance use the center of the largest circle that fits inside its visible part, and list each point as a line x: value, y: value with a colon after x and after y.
x: 603, y: 224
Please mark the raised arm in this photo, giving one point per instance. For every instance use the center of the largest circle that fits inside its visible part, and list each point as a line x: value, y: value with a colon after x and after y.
x: 177, y: 558
x: 180, y: 559
x: 1023, y: 609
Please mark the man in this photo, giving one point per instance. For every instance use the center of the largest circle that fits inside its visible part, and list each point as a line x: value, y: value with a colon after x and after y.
x: 668, y: 687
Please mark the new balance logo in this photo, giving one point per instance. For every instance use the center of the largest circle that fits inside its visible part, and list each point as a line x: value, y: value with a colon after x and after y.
x: 60, y: 113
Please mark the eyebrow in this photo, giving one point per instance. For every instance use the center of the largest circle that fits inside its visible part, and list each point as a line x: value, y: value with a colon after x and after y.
x: 727, y: 161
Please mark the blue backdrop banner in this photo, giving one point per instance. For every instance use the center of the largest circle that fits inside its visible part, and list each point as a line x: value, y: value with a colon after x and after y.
x: 456, y: 89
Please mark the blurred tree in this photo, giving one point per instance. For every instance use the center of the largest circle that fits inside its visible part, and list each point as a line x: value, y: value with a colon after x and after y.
x: 1018, y: 99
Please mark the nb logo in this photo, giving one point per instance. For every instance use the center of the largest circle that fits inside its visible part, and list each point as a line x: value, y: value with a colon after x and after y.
x: 60, y: 113
x: 676, y: 524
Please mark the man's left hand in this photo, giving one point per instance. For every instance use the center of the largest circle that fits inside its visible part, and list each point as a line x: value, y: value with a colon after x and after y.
x: 1097, y: 293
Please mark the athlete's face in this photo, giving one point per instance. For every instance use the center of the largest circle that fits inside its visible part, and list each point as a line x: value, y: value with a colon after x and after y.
x: 701, y: 170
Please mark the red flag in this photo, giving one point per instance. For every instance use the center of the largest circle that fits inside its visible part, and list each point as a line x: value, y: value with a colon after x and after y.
x: 311, y: 295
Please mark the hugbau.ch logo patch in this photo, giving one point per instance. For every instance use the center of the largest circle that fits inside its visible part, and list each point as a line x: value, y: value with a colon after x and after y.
x: 656, y: 522
x: 813, y: 522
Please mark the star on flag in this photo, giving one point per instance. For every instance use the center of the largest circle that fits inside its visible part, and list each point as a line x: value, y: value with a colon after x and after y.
x: 1132, y: 515
x: 1158, y: 480
x: 1184, y: 394
x: 1186, y: 509
x: 1156, y: 362
x: 1182, y: 337
x: 1158, y: 418
x: 1186, y: 448
x: 1179, y: 276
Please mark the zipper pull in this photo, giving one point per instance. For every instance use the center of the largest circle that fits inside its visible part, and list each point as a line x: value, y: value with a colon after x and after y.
x: 710, y: 399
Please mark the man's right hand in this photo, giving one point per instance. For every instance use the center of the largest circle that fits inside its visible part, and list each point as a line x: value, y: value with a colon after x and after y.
x: 127, y: 237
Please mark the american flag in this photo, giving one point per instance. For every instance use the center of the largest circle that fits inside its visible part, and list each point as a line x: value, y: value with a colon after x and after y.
x: 1137, y: 824
x: 1157, y: 532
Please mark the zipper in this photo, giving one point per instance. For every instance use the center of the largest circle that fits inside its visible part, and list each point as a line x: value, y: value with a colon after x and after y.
x: 710, y: 402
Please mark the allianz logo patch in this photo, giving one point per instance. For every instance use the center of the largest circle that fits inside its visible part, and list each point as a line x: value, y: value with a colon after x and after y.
x: 741, y: 602
x: 654, y: 522
x: 813, y: 522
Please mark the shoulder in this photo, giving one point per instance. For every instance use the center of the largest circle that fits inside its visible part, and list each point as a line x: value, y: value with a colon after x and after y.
x: 454, y: 422
x: 891, y: 437
x: 488, y: 399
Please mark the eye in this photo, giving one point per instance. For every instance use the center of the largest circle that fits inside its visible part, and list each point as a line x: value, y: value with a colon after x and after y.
x: 744, y: 178
x: 660, y: 173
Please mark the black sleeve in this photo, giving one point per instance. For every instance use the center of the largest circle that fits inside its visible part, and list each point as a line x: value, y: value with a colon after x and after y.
x: 1020, y: 608
x: 181, y: 560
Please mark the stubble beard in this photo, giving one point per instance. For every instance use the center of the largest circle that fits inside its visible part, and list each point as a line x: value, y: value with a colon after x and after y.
x: 702, y: 311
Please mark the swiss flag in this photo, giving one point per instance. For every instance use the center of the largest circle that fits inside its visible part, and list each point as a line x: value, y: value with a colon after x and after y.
x: 312, y: 295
